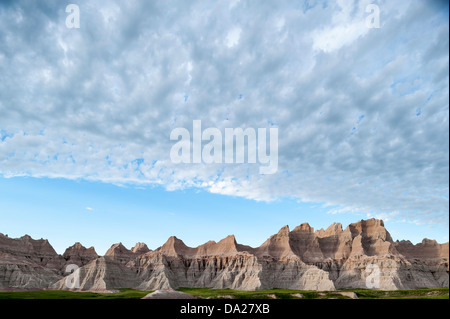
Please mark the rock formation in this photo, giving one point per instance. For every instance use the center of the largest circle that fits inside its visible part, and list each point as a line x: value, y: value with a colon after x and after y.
x: 120, y: 253
x: 79, y: 255
x: 102, y: 274
x: 140, y: 248
x: 363, y: 255
x: 28, y: 263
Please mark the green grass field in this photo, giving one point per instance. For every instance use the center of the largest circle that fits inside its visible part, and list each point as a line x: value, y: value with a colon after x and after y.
x: 63, y: 294
x: 440, y: 293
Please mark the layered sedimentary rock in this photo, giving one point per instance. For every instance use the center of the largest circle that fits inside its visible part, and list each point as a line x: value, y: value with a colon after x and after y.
x: 371, y: 260
x: 101, y: 274
x: 22, y: 273
x: 428, y: 255
x: 27, y: 263
x: 120, y: 253
x: 427, y: 249
x: 140, y: 248
x: 159, y: 271
x: 363, y: 255
x: 79, y: 255
x: 37, y: 251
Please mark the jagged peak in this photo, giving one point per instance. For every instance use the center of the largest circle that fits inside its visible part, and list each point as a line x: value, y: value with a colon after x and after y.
x: 79, y: 254
x: 305, y: 227
x: 372, y: 231
x: 332, y: 230
x: 370, y: 227
x: 77, y: 246
x: 119, y: 247
x: 277, y: 245
x: 227, y: 245
x: 284, y: 231
x: 428, y: 242
x: 174, y: 240
x: 337, y: 227
x: 369, y: 222
x: 229, y: 238
x: 140, y: 248
x: 408, y: 242
x: 174, y: 246
x: 140, y: 244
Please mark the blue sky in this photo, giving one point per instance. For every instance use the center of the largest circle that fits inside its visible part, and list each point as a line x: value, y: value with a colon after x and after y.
x: 101, y: 214
x: 86, y: 115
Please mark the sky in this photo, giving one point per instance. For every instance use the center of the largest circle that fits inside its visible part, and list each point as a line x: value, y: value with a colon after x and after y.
x: 86, y: 115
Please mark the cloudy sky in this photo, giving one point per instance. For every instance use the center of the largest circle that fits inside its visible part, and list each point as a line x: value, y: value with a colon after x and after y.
x: 362, y: 114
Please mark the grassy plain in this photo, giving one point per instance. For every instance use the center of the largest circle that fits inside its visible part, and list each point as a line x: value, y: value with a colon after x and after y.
x: 439, y: 293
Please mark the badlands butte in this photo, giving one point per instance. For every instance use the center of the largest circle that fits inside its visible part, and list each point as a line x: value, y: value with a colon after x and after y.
x: 301, y: 258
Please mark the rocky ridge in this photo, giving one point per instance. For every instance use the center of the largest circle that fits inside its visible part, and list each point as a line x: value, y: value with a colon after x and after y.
x: 363, y: 255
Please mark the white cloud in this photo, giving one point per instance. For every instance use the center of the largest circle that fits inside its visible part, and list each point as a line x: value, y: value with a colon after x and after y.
x: 348, y: 24
x: 233, y: 37
x: 100, y: 102
x: 384, y: 216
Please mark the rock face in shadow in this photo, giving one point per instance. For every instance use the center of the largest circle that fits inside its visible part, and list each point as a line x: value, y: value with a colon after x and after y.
x: 120, y: 253
x: 26, y: 263
x: 429, y: 255
x: 427, y: 249
x: 38, y: 251
x: 363, y: 255
x: 79, y: 255
x: 19, y: 272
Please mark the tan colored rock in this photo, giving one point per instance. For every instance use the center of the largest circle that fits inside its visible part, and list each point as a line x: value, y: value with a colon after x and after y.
x: 120, y: 253
x: 102, y: 274
x: 305, y: 259
x: 225, y: 247
x: 175, y: 247
x: 277, y: 246
x: 159, y: 271
x: 79, y: 255
x: 140, y: 248
x: 357, y: 247
x: 305, y: 243
x: 292, y: 273
x: 26, y: 263
x: 153, y: 271
x: 427, y: 249
x: 39, y: 251
x: 333, y: 230
x: 18, y: 273
x: 335, y: 243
